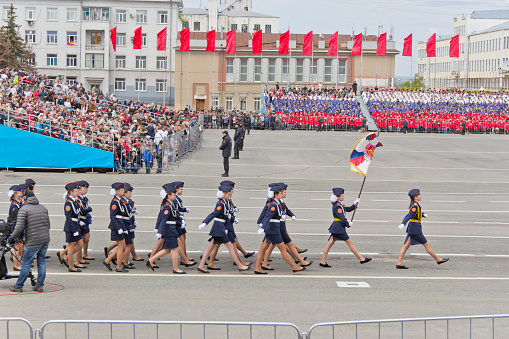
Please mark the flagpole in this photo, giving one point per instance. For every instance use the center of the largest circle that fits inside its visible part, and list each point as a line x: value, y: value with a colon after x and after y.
x: 214, y: 72
x: 337, y: 62
x: 139, y: 77
x: 188, y: 77
x: 235, y: 79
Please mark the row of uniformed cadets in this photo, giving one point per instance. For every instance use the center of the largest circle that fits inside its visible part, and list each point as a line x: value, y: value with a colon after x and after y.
x: 15, y: 194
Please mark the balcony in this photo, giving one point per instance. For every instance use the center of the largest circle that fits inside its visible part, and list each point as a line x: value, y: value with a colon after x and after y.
x: 95, y: 47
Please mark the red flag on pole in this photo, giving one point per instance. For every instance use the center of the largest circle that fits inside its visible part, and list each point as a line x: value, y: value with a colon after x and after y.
x: 407, y: 46
x: 333, y: 44
x: 161, y: 40
x: 381, y: 44
x: 184, y: 40
x: 431, y: 45
x: 357, y: 45
x: 137, y: 38
x: 113, y: 38
x: 231, y: 42
x: 284, y: 43
x: 257, y: 42
x: 454, y: 48
x: 211, y: 41
x: 307, y: 48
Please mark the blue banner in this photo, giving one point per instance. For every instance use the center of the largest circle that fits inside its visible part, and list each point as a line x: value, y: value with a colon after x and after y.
x: 22, y: 149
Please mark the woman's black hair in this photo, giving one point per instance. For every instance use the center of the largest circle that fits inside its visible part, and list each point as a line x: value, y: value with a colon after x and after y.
x: 412, y: 198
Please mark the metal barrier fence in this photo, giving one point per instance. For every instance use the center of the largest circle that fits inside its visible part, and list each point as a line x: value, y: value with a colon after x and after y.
x: 7, y: 322
x: 151, y: 329
x: 383, y: 328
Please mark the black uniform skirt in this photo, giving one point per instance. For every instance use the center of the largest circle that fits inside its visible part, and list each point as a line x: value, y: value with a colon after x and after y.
x: 274, y: 238
x: 115, y: 236
x: 170, y: 243
x: 69, y: 237
x: 416, y: 239
x: 220, y: 240
x: 336, y: 236
x: 128, y: 239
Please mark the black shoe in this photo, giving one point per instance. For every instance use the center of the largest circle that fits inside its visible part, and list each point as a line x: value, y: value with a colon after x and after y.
x: 141, y: 259
x: 65, y: 263
x: 213, y: 268
x: 148, y: 255
x: 85, y: 263
x: 296, y: 261
x: 114, y: 261
x: 189, y: 265
x: 258, y: 272
x: 235, y: 157
x: 303, y: 268
x: 270, y: 260
x: 202, y: 271
x: 74, y: 271
x: 267, y: 268
x: 129, y: 267
x: 16, y: 269
x: 245, y: 269
x: 60, y: 259
x: 303, y: 251
x: 108, y: 266
x: 310, y: 262
x: 47, y: 257
x: 366, y: 260
x: 122, y: 270
x: 401, y: 267
x: 151, y: 266
x: 249, y: 254
x: 215, y: 259
x: 81, y: 267
x: 224, y: 174
x: 325, y: 265
x: 443, y: 260
x: 177, y: 272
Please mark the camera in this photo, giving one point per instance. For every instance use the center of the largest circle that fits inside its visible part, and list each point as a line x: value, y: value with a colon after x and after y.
x: 6, y: 229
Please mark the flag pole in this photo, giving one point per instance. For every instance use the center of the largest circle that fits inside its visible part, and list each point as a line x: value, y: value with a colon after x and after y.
x: 235, y: 79
x: 188, y: 76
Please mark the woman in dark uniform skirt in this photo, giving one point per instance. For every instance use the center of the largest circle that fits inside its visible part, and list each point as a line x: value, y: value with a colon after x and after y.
x: 218, y: 232
x: 168, y: 231
x: 72, y: 228
x: 15, y: 195
x: 271, y: 226
x: 117, y: 226
x: 414, y: 230
x: 339, y: 225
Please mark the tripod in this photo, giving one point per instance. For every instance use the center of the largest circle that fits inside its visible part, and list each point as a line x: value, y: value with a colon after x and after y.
x: 4, y: 273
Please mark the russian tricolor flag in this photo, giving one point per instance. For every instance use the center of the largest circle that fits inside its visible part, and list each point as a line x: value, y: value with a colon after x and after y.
x: 362, y: 153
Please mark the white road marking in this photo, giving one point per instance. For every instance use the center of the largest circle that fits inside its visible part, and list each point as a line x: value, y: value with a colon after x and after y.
x: 352, y: 284
x: 503, y: 201
x: 447, y: 201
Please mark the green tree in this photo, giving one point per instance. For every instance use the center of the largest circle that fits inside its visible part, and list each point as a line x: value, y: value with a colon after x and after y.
x: 415, y: 83
x: 14, y: 51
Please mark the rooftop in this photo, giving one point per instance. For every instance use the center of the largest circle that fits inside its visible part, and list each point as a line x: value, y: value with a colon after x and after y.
x: 493, y: 14
x: 247, y: 14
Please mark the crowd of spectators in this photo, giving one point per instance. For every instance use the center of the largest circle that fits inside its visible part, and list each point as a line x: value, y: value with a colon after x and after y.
x: 33, y: 102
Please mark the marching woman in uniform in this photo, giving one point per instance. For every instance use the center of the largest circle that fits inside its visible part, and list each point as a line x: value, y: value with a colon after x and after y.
x: 131, y: 211
x: 16, y: 196
x: 85, y: 218
x: 339, y: 225
x: 414, y: 230
x: 72, y: 229
x: 179, y: 187
x: 218, y: 231
x: 271, y: 226
x: 167, y: 229
x: 117, y: 227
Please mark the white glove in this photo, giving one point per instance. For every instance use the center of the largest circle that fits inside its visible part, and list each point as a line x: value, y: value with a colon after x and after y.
x: 187, y: 210
x: 120, y: 231
x: 294, y: 218
x: 202, y: 226
x: 261, y: 231
x: 283, y: 217
x: 91, y: 219
x: 226, y: 231
x: 401, y: 227
x: 76, y: 234
x: 424, y: 215
x: 183, y: 225
x: 156, y: 231
x: 356, y: 201
x: 82, y: 223
x: 236, y: 209
x: 229, y: 216
x: 158, y: 235
x: 131, y: 230
x: 350, y: 223
x: 260, y: 225
x: 126, y: 232
x: 135, y: 223
x: 236, y: 220
x: 136, y: 211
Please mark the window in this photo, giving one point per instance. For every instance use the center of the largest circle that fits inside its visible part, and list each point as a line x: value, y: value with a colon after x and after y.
x: 244, y: 28
x: 299, y: 74
x: 185, y: 24
x: 72, y: 14
x: 314, y: 70
x: 268, y: 29
x: 30, y: 37
x: 215, y: 102
x: 30, y: 13
x: 52, y: 37
x: 162, y: 17
x: 272, y: 69
x: 162, y: 62
x: 121, y: 39
x: 229, y: 103
x: 141, y: 17
x: 342, y: 71
x: 256, y: 27
x: 234, y: 27
x: 52, y: 14
x: 72, y: 38
x: 120, y: 61
x: 121, y: 16
x: 229, y: 70
x: 51, y: 60
x: 71, y: 80
x: 72, y: 60
x: 257, y: 104
x: 328, y: 71
x: 243, y: 103
x: 243, y: 69
x: 96, y: 38
x: 144, y: 39
x: 141, y: 62
x: 6, y: 13
x: 94, y: 60
x: 196, y: 25
x: 160, y: 86
x: 285, y: 76
x: 119, y: 84
x: 141, y: 85
x: 96, y: 14
x: 258, y: 70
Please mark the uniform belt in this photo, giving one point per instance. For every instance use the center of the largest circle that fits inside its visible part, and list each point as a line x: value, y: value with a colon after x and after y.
x: 119, y: 217
x: 275, y: 220
x: 126, y: 218
x: 220, y: 220
x: 415, y: 220
x: 171, y: 222
x: 337, y: 219
x: 82, y: 217
x: 74, y: 219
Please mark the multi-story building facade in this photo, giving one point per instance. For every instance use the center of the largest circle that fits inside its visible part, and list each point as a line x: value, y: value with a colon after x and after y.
x: 484, y: 54
x: 71, y: 41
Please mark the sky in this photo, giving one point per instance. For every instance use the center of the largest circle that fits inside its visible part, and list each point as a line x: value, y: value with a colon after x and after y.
x: 420, y: 17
